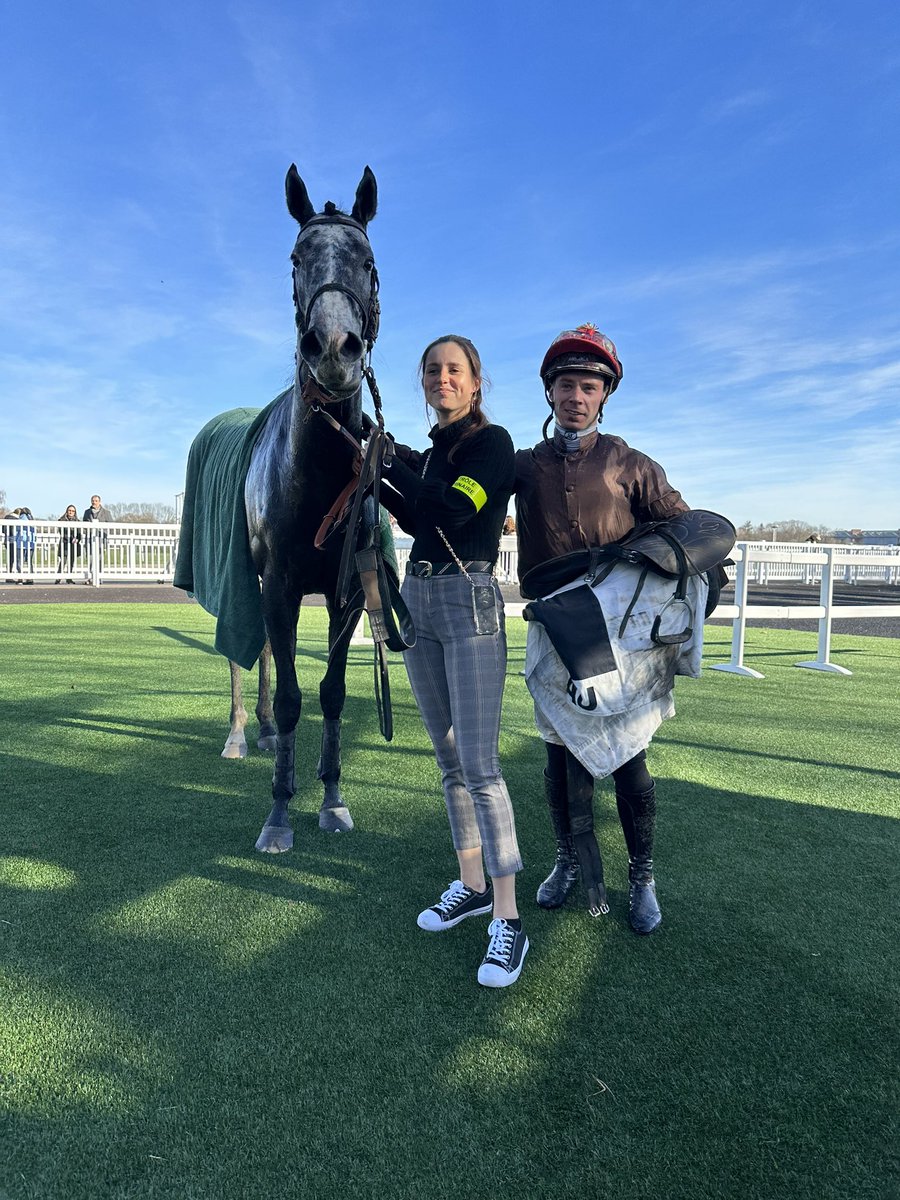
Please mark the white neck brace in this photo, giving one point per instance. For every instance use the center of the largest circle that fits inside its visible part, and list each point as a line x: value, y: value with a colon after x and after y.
x: 571, y: 438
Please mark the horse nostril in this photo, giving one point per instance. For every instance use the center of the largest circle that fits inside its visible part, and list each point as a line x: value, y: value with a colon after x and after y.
x: 352, y: 348
x: 310, y: 346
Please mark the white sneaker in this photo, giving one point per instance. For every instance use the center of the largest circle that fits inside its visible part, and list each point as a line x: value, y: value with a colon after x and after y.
x: 502, y: 965
x: 457, y: 903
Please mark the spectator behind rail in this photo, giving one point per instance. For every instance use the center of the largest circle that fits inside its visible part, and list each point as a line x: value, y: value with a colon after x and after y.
x: 96, y: 542
x: 69, y: 546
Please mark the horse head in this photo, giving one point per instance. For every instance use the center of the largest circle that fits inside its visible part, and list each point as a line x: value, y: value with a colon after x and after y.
x: 335, y: 287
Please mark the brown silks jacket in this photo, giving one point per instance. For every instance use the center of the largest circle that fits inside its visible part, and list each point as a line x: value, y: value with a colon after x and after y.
x: 589, y: 497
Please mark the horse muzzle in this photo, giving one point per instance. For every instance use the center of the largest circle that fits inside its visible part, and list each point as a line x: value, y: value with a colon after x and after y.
x: 331, y: 387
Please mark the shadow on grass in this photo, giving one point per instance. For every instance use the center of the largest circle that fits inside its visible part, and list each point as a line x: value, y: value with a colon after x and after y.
x: 184, y: 639
x: 127, y: 727
x: 214, y: 1021
x: 176, y: 635
x: 772, y: 756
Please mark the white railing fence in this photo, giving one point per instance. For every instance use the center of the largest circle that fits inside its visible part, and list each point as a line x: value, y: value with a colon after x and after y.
x: 824, y: 565
x: 769, y: 562
x: 802, y: 562
x: 44, y: 551
x: 86, y: 552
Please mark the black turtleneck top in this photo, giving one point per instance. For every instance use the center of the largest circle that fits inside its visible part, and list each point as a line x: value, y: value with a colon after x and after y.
x: 467, y: 497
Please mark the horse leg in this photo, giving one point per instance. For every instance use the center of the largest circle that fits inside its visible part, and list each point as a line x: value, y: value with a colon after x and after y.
x: 264, y: 712
x: 334, y: 816
x: 236, y: 742
x: 277, y: 835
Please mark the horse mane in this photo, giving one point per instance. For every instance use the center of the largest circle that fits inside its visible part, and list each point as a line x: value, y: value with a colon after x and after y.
x: 332, y: 210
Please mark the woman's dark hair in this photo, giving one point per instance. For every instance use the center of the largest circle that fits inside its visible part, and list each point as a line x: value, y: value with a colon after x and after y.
x: 479, y: 417
x: 68, y: 506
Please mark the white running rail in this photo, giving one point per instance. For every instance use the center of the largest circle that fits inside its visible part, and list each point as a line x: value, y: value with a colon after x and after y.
x: 42, y: 552
x: 86, y: 552
x: 851, y: 564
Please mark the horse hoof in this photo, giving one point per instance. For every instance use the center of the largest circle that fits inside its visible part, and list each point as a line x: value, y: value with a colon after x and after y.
x: 335, y: 820
x: 235, y: 750
x: 275, y: 839
x: 267, y: 743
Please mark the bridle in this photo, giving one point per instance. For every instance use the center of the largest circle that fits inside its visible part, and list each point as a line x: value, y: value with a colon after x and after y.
x: 389, y: 620
x: 313, y: 394
x: 370, y: 311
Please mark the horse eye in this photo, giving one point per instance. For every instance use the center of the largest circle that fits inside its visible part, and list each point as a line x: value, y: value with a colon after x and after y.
x: 369, y: 264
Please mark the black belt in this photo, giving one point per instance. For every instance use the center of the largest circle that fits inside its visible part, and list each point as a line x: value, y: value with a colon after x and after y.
x: 425, y: 570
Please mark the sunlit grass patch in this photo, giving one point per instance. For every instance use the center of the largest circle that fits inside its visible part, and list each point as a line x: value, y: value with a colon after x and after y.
x: 274, y: 867
x: 215, y: 919
x: 495, y: 1063
x: 523, y: 1032
x: 32, y: 875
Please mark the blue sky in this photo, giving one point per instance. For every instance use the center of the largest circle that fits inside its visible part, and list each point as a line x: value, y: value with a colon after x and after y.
x: 714, y: 184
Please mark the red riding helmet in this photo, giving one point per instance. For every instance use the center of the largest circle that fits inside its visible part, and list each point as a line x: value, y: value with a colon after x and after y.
x: 582, y: 349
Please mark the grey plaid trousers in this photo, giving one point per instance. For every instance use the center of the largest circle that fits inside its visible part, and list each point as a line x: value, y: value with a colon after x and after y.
x: 457, y: 679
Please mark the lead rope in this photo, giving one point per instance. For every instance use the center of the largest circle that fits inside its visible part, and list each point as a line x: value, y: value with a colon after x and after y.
x: 379, y: 595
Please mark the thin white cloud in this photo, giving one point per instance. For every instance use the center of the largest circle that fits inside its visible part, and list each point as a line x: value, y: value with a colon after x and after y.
x: 740, y: 103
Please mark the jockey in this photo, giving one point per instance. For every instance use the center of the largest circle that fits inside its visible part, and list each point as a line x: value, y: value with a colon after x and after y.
x: 577, y: 490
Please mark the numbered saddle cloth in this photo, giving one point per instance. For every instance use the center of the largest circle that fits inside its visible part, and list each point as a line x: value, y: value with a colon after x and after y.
x: 601, y: 685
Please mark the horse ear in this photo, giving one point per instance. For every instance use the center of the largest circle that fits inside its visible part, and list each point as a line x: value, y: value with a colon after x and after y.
x: 366, y: 199
x: 297, y: 197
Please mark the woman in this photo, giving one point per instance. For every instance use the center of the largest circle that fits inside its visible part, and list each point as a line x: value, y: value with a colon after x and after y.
x: 69, y: 545
x: 452, y: 500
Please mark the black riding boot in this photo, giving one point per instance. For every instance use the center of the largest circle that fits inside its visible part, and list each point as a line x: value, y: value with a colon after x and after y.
x: 637, y: 812
x: 580, y: 785
x: 556, y: 887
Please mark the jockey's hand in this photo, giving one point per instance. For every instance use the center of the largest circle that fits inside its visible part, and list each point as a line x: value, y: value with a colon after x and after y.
x: 356, y: 466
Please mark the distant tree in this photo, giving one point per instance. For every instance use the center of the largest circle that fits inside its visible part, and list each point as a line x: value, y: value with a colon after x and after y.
x: 142, y: 513
x: 782, y: 531
x: 2, y: 498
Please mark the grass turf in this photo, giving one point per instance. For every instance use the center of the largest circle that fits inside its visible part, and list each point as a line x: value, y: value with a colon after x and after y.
x: 181, y: 1017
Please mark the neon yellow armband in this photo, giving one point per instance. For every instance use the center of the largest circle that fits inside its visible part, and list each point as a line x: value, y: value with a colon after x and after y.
x: 472, y: 489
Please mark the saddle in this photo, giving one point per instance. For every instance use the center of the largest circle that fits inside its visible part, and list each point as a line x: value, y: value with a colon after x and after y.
x: 695, y: 542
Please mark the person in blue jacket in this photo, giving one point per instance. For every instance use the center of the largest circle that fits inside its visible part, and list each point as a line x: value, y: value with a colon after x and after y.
x: 25, y: 540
